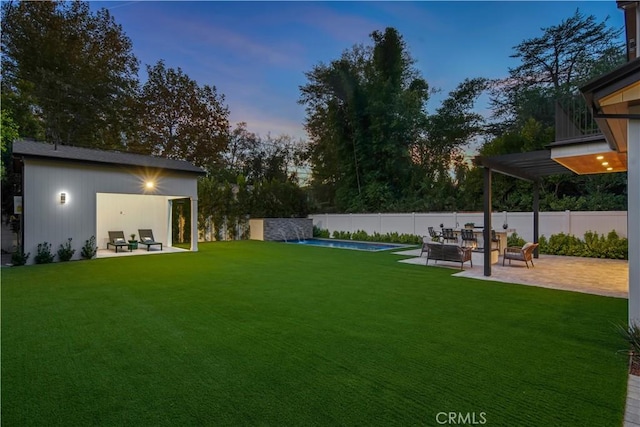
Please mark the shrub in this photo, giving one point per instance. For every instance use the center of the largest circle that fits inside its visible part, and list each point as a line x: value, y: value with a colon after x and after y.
x: 19, y: 257
x: 631, y: 334
x: 565, y: 244
x: 394, y: 237
x: 89, y: 249
x: 593, y: 246
x: 65, y: 253
x: 515, y: 240
x: 616, y: 247
x: 44, y: 255
x: 320, y: 232
x: 342, y: 235
x: 360, y: 235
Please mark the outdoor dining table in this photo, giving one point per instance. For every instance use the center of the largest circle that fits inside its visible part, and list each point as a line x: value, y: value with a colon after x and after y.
x: 479, y: 234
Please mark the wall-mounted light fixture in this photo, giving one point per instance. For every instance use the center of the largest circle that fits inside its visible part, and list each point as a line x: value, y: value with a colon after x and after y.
x: 149, y: 184
x: 63, y: 198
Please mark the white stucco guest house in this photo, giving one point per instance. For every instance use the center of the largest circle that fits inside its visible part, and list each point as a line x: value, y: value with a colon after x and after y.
x: 73, y: 192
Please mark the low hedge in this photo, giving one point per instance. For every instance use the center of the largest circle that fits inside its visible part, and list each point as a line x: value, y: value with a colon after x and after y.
x: 593, y: 245
x: 363, y: 236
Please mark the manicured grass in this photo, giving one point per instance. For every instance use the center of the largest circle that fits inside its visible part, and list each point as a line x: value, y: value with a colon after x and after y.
x: 254, y: 333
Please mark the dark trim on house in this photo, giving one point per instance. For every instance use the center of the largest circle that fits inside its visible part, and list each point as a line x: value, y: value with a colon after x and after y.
x: 606, y: 85
x: 629, y: 8
x: 579, y: 140
x: 617, y: 116
x: 619, y: 78
x: 34, y: 149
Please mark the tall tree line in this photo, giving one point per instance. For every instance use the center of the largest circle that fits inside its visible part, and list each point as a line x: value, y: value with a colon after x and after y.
x: 69, y: 76
x: 552, y: 68
x: 373, y: 146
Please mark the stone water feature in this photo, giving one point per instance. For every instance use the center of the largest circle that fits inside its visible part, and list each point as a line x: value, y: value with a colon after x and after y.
x: 282, y: 229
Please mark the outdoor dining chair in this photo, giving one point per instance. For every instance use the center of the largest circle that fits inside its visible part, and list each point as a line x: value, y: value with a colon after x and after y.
x: 495, y: 239
x: 448, y: 235
x: 434, y: 236
x: 469, y: 239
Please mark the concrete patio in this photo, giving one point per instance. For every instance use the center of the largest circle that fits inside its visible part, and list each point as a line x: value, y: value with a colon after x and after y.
x: 110, y: 253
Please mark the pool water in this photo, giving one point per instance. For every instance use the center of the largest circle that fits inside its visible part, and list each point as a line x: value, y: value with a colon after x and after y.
x: 347, y: 244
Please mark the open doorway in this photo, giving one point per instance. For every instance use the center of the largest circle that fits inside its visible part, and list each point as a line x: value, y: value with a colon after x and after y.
x: 181, y: 222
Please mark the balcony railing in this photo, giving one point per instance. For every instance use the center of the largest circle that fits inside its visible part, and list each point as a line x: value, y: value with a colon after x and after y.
x: 574, y: 119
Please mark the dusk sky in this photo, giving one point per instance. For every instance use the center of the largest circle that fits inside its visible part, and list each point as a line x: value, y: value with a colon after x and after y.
x: 256, y: 53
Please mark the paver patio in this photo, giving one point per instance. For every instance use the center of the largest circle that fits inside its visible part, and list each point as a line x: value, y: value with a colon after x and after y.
x: 607, y: 277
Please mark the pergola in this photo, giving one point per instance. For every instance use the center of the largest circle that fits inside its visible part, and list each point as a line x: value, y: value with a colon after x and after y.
x: 532, y: 167
x: 614, y: 101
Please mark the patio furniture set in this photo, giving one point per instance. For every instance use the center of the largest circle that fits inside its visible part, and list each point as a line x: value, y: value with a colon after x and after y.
x: 117, y: 240
x: 437, y: 248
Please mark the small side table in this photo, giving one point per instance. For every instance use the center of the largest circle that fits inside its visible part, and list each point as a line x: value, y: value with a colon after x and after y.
x: 133, y: 244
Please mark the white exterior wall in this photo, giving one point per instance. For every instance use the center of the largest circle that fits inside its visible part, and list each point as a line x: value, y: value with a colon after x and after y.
x: 633, y: 185
x: 129, y: 213
x: 46, y: 219
x: 576, y: 223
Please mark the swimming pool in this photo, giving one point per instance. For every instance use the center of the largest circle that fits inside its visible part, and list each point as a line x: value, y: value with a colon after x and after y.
x: 348, y: 244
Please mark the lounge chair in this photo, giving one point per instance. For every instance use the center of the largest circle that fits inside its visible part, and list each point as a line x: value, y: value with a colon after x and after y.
x: 117, y: 240
x: 524, y: 253
x: 146, y: 238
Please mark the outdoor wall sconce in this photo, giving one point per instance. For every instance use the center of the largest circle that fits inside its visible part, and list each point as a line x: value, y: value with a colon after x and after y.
x: 63, y: 198
x: 149, y: 184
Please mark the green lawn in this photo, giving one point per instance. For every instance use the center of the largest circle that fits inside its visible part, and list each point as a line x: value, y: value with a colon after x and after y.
x: 254, y: 333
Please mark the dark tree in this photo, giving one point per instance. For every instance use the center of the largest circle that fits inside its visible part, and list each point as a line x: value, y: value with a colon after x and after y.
x: 554, y: 65
x: 179, y: 119
x: 363, y: 113
x: 68, y: 75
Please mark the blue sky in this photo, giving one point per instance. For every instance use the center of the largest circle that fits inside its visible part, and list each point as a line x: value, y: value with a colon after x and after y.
x: 256, y: 53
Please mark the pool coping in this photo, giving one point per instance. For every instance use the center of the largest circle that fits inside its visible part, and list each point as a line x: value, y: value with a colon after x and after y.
x: 392, y: 246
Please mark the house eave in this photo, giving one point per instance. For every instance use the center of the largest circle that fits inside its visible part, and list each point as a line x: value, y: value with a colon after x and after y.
x: 27, y: 149
x: 605, y: 86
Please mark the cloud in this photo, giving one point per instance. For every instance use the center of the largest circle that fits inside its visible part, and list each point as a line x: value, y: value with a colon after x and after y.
x: 341, y: 26
x: 262, y: 122
x: 239, y: 45
x: 216, y: 36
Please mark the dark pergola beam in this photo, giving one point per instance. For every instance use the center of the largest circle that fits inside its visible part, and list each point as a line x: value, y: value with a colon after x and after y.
x: 536, y: 216
x: 487, y: 221
x: 505, y: 170
x: 531, y: 166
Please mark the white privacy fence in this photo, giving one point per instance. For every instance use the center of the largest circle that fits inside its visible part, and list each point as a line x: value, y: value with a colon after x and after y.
x: 568, y: 222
